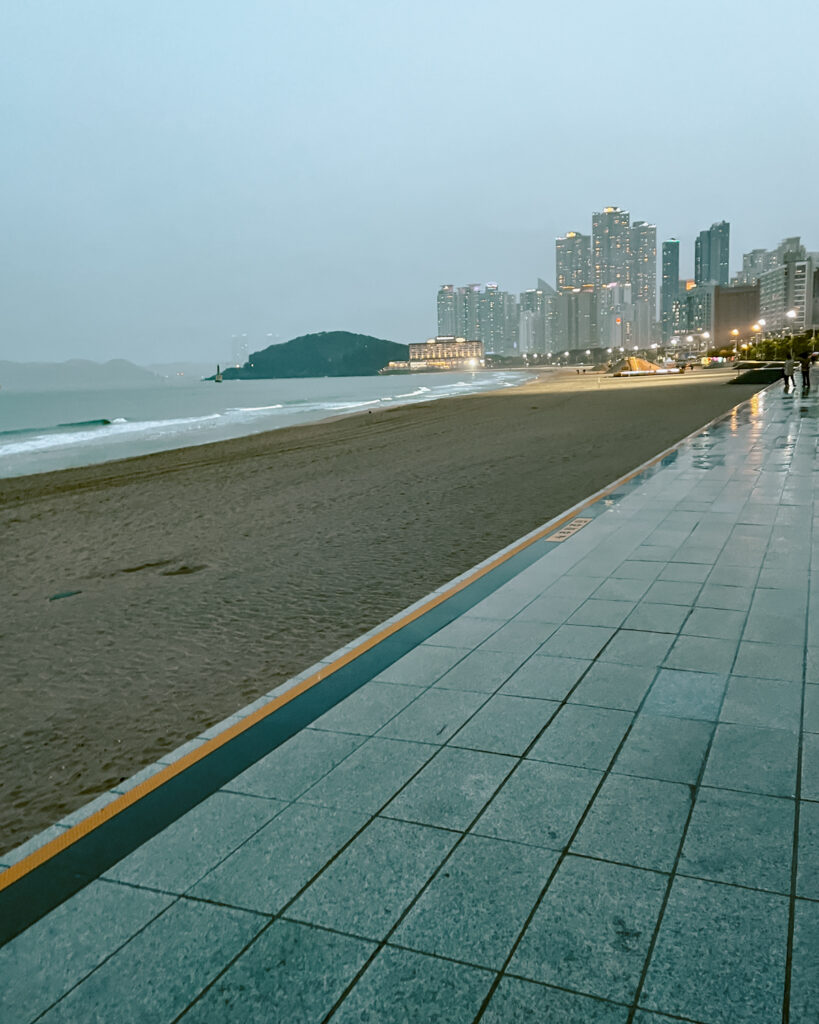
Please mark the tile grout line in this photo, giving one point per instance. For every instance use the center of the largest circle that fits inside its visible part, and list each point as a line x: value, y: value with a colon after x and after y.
x: 564, y: 853
x: 520, y: 760
x: 786, y: 995
x: 466, y: 832
x: 106, y: 959
x: 695, y: 790
x: 279, y: 914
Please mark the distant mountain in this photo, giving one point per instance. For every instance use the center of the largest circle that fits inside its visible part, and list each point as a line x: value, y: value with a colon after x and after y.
x: 191, y: 372
x: 327, y: 354
x: 75, y: 373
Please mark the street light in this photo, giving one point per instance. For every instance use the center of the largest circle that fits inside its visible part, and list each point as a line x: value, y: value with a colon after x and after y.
x: 706, y: 337
x: 756, y: 328
x: 791, y: 315
x: 735, y: 335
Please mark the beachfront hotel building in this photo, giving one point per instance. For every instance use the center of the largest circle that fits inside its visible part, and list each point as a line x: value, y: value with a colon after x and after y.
x: 446, y: 353
x: 439, y: 353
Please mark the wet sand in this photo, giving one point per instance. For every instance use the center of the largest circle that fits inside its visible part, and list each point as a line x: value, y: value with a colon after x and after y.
x: 208, y: 575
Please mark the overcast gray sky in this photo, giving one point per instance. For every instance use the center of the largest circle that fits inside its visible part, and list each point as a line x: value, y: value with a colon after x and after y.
x: 178, y: 172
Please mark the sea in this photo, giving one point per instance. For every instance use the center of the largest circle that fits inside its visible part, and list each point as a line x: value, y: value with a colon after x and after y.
x: 48, y: 430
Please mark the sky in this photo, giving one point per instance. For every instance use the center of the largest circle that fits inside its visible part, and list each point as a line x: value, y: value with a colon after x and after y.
x: 175, y: 174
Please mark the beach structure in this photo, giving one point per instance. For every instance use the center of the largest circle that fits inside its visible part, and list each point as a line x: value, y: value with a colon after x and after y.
x: 632, y: 366
x: 545, y: 790
x: 439, y: 353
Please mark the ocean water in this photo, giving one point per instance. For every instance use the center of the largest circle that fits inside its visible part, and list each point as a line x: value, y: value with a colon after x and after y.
x: 43, y: 431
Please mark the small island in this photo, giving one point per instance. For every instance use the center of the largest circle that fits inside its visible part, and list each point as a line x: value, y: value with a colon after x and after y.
x: 325, y: 354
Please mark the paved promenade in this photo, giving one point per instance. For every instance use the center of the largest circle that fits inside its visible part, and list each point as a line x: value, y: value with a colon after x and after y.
x: 580, y: 786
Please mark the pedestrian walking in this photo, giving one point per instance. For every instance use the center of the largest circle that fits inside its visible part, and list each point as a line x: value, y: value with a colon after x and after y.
x: 787, y: 373
x: 804, y: 366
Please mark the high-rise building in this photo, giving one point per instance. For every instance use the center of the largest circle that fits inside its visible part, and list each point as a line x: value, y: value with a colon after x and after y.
x: 734, y: 309
x: 447, y: 323
x: 611, y: 247
x: 486, y: 314
x: 239, y: 349
x: 758, y: 261
x: 616, y: 316
x: 793, y: 286
x: 574, y: 319
x: 573, y: 260
x: 467, y: 312
x: 510, y: 324
x: 491, y: 318
x: 711, y: 251
x: 693, y: 311
x: 532, y: 320
x: 550, y: 310
x: 670, y: 286
x: 644, y: 280
x: 528, y: 332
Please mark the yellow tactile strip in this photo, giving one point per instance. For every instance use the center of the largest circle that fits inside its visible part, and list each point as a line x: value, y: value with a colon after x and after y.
x: 557, y: 529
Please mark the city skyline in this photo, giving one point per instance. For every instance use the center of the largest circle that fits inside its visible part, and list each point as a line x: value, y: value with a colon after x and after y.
x: 607, y: 285
x: 177, y: 177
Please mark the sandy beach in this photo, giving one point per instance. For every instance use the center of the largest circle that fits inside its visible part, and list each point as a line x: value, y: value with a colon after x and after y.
x: 208, y: 575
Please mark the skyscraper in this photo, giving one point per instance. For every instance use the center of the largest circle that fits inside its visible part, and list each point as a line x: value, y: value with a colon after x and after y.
x: 467, y: 312
x: 532, y: 320
x: 711, y: 251
x: 573, y: 260
x: 573, y: 318
x: 644, y: 280
x: 491, y: 318
x: 611, y: 247
x: 670, y: 287
x: 447, y: 326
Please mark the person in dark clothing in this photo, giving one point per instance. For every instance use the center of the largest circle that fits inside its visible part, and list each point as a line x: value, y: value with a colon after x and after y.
x: 804, y: 366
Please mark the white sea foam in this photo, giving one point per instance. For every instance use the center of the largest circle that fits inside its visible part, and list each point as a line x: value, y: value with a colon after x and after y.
x: 257, y: 408
x: 119, y: 428
x: 59, y: 429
